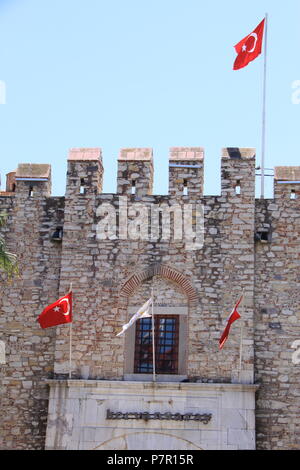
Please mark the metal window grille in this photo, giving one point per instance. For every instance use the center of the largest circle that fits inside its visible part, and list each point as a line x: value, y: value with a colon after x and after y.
x: 166, y: 345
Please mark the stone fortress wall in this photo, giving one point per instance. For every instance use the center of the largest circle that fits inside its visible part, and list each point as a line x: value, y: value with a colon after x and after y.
x: 249, y: 246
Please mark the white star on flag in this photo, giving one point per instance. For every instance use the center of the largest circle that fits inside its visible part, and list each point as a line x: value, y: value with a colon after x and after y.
x: 143, y: 312
x: 56, y: 309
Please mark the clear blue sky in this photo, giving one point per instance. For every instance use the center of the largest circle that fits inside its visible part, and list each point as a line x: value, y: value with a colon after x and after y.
x: 144, y: 73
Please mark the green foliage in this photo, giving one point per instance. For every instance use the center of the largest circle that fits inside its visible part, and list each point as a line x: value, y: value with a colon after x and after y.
x: 8, y: 261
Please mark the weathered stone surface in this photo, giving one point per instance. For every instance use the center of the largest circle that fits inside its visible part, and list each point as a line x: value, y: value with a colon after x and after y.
x: 108, y: 420
x: 113, y: 277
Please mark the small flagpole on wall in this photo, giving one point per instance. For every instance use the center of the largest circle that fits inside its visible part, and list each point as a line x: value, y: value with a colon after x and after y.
x: 263, y: 144
x: 153, y: 338
x: 241, y: 337
x: 70, y: 352
x: 70, y: 342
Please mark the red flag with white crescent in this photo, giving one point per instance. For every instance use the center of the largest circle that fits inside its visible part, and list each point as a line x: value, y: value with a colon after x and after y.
x: 249, y: 47
x: 232, y: 317
x: 58, y: 313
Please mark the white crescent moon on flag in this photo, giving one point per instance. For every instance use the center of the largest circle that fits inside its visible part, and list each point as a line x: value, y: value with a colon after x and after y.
x: 68, y: 306
x: 254, y: 35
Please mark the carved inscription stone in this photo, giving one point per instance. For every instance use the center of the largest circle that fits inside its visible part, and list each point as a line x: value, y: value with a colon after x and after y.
x: 204, y: 417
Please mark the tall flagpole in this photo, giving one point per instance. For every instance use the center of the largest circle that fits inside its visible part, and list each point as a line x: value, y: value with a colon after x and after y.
x: 153, y: 339
x: 70, y: 342
x: 263, y: 144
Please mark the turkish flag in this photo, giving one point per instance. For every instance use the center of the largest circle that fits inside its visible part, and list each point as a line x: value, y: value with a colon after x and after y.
x: 249, y: 47
x: 58, y: 313
x: 232, y: 317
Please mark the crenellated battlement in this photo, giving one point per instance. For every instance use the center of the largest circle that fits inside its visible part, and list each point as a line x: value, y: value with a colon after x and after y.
x: 28, y: 191
x: 135, y: 175
x: 136, y: 172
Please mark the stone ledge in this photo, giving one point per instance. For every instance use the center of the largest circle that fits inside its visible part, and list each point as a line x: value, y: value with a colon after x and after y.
x: 85, y: 154
x: 238, y: 153
x: 287, y: 173
x: 144, y: 385
x: 186, y: 153
x: 136, y: 154
x: 161, y: 378
x: 32, y: 171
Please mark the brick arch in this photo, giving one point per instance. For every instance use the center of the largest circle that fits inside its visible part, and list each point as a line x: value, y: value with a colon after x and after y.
x: 165, y: 272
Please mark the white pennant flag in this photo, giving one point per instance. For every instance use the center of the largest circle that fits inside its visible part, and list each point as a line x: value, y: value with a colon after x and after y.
x: 143, y: 312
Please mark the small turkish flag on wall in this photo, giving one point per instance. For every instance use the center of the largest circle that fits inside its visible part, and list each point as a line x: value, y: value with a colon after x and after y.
x: 58, y: 313
x: 232, y: 317
x: 249, y: 47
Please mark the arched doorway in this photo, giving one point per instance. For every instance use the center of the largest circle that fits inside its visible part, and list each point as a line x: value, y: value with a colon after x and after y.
x: 174, y: 299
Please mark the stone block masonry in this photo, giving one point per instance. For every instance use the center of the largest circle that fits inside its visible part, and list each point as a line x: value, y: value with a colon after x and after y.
x: 95, y: 415
x: 248, y: 245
